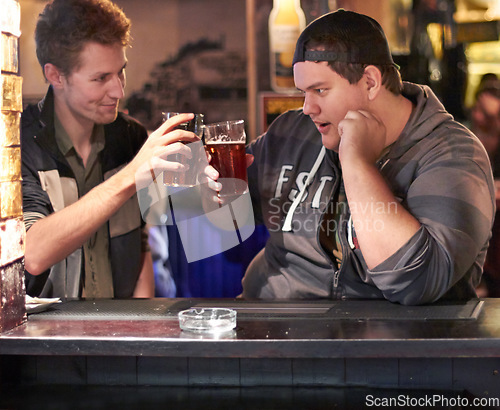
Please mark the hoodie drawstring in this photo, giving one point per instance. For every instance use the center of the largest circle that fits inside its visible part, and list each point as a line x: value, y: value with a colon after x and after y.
x: 287, y: 226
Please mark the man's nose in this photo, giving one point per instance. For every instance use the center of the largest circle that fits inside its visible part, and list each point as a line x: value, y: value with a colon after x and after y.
x: 310, y: 106
x: 117, y: 88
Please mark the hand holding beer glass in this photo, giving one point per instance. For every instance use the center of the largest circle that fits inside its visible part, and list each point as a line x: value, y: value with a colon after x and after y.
x: 225, y: 142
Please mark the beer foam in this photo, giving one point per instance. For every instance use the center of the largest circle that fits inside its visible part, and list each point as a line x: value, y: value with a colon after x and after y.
x: 224, y: 142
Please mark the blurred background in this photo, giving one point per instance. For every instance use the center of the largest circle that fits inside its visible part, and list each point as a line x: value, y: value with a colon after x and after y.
x: 194, y: 55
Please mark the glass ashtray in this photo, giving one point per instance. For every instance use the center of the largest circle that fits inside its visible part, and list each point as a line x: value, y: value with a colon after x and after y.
x: 207, y: 320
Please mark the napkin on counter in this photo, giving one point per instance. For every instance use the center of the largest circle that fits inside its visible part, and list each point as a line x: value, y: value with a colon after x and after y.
x: 34, y: 305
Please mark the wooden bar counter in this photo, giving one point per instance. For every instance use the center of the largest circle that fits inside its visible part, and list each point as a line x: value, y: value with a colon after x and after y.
x: 452, y: 347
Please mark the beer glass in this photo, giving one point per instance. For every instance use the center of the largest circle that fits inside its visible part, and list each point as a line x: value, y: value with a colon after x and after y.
x: 225, y: 142
x: 187, y: 178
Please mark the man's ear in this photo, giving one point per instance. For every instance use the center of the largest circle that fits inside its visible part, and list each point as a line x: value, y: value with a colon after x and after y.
x: 53, y: 75
x: 373, y: 79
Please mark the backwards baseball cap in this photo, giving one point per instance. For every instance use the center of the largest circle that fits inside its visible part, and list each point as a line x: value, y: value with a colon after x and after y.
x: 370, y: 45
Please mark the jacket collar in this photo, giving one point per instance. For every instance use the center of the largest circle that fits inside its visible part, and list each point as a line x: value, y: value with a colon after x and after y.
x: 47, y: 138
x: 46, y: 108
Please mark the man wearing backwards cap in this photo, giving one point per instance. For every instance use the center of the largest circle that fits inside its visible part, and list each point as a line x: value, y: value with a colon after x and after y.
x: 372, y: 190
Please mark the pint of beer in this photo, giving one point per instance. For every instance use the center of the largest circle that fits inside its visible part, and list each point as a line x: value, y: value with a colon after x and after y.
x: 225, y: 142
x: 189, y: 177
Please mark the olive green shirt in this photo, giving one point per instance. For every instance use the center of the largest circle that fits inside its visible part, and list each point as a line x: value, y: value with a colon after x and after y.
x: 97, y: 279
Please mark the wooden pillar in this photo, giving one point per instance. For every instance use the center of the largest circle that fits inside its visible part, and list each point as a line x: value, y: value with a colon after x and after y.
x: 12, y: 232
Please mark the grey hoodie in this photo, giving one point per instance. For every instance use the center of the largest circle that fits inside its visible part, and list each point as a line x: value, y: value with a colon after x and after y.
x: 437, y: 169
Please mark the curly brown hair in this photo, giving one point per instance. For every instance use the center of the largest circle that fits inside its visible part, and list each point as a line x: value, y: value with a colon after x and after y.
x: 65, y: 26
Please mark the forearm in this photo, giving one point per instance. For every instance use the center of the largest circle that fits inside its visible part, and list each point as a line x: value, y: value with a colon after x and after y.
x: 145, y: 287
x: 381, y: 223
x: 51, y: 239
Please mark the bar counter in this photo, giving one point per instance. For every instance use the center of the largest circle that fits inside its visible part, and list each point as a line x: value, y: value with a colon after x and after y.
x: 361, y: 344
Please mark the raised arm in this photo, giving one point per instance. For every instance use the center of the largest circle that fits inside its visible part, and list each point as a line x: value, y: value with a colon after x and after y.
x: 51, y: 239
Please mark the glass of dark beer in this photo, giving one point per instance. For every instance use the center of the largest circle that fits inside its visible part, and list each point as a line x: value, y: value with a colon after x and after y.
x: 225, y: 142
x: 189, y: 177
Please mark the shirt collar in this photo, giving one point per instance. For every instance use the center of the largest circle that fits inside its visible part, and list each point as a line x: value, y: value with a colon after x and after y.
x: 64, y: 141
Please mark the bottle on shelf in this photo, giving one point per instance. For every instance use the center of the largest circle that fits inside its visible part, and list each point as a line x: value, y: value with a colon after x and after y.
x: 286, y: 22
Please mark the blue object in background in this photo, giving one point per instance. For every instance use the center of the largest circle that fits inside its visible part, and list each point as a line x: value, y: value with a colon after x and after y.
x: 218, y: 276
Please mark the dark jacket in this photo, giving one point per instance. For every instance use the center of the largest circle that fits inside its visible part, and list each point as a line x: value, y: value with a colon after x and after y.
x: 49, y: 185
x: 437, y: 169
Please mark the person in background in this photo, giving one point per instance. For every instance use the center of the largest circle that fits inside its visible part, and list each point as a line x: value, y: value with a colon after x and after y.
x: 165, y: 286
x: 485, y: 118
x: 485, y: 123
x: 82, y: 159
x: 371, y: 190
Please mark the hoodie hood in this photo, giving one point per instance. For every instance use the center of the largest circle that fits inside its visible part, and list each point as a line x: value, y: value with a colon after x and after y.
x: 427, y: 115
